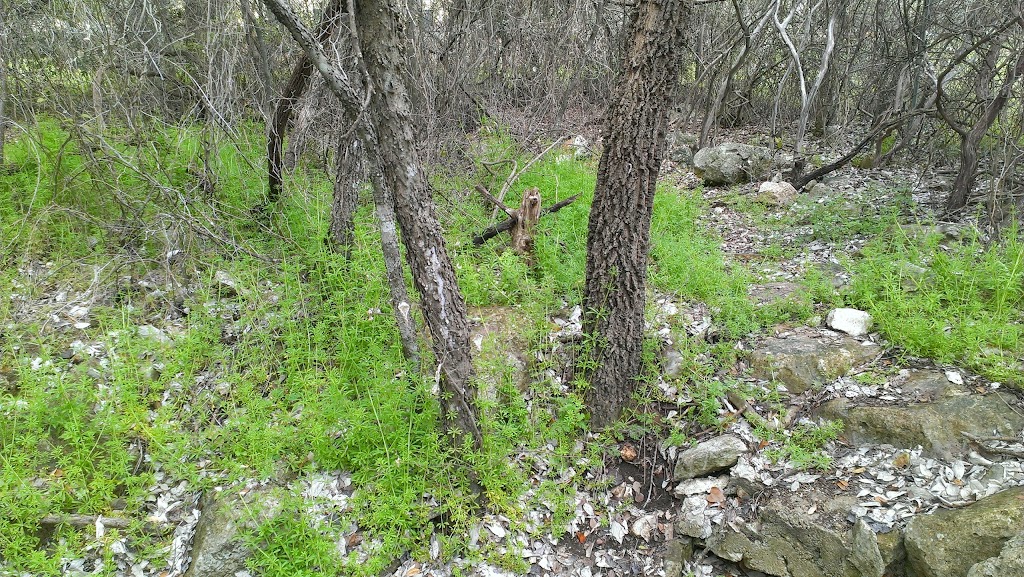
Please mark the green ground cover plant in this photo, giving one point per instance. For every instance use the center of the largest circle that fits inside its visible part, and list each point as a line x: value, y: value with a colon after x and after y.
x: 955, y: 301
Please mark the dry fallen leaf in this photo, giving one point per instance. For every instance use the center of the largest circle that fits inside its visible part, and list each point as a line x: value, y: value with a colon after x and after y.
x: 844, y: 485
x: 628, y: 452
x: 716, y: 495
x: 901, y: 461
x: 582, y: 537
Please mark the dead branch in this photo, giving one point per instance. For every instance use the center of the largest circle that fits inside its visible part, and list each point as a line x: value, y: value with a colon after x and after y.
x: 517, y: 172
x: 82, y: 521
x: 496, y: 229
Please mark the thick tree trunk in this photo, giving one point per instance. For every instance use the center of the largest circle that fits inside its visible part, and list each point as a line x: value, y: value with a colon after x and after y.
x: 384, y: 44
x: 620, y: 219
x: 298, y: 82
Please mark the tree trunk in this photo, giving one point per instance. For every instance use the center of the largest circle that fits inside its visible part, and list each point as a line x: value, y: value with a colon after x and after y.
x: 384, y: 44
x: 386, y: 131
x: 349, y: 173
x: 970, y: 141
x: 298, y: 82
x: 620, y: 218
x: 3, y: 80
x: 400, y: 301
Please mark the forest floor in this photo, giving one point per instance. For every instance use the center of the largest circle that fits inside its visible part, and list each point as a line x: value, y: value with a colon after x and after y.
x: 185, y: 388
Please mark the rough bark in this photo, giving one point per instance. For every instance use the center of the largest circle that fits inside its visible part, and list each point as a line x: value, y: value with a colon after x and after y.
x: 348, y: 176
x: 971, y: 139
x: 400, y: 300
x: 384, y: 43
x: 350, y: 173
x: 3, y: 80
x: 386, y: 130
x: 297, y: 84
x: 620, y: 218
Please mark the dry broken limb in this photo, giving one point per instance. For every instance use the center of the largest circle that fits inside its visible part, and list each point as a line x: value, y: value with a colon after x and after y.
x: 513, y: 221
x: 77, y: 520
x: 517, y: 172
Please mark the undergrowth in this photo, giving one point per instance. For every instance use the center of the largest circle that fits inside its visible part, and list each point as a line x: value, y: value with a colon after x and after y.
x: 957, y: 302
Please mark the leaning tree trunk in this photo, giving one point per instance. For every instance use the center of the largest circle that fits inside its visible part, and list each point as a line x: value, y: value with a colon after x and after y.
x: 386, y: 131
x: 3, y: 81
x: 620, y: 218
x: 971, y: 139
x: 384, y: 43
x: 298, y: 82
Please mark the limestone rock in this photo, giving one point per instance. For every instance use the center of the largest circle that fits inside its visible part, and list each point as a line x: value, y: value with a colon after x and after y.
x: 853, y: 322
x: 788, y: 541
x: 707, y: 457
x: 732, y: 163
x: 677, y: 553
x: 1009, y: 563
x: 936, y: 426
x: 865, y: 554
x: 776, y: 194
x: 679, y: 147
x: 776, y: 292
x: 802, y: 362
x: 949, y: 542
x: 912, y: 276
x: 217, y: 548
x: 225, y: 284
x: 815, y: 190
x: 928, y: 385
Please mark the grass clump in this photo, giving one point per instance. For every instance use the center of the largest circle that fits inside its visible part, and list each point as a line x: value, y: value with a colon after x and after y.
x: 958, y: 302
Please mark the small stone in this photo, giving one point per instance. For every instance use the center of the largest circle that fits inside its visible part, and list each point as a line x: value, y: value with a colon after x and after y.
x: 710, y: 456
x: 776, y: 194
x: 699, y: 486
x: 677, y: 553
x: 153, y: 333
x: 226, y: 284
x: 853, y: 322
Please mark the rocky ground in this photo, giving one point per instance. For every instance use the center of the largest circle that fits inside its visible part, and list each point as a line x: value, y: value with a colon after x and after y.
x: 925, y: 479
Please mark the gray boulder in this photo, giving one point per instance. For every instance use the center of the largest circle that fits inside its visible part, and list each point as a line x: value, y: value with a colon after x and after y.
x: 786, y: 540
x: 1009, y: 563
x: 680, y: 146
x: 803, y: 362
x: 936, y: 426
x: 707, y: 457
x: 732, y: 163
x: 781, y: 194
x: 949, y: 542
x: 217, y: 547
x: 777, y: 292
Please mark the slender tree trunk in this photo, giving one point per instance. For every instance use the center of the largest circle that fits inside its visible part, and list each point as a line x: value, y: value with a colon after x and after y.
x: 387, y: 133
x: 349, y: 176
x: 400, y: 301
x: 384, y: 44
x: 3, y: 79
x: 620, y: 218
x: 260, y: 56
x: 298, y: 82
x: 970, y: 140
